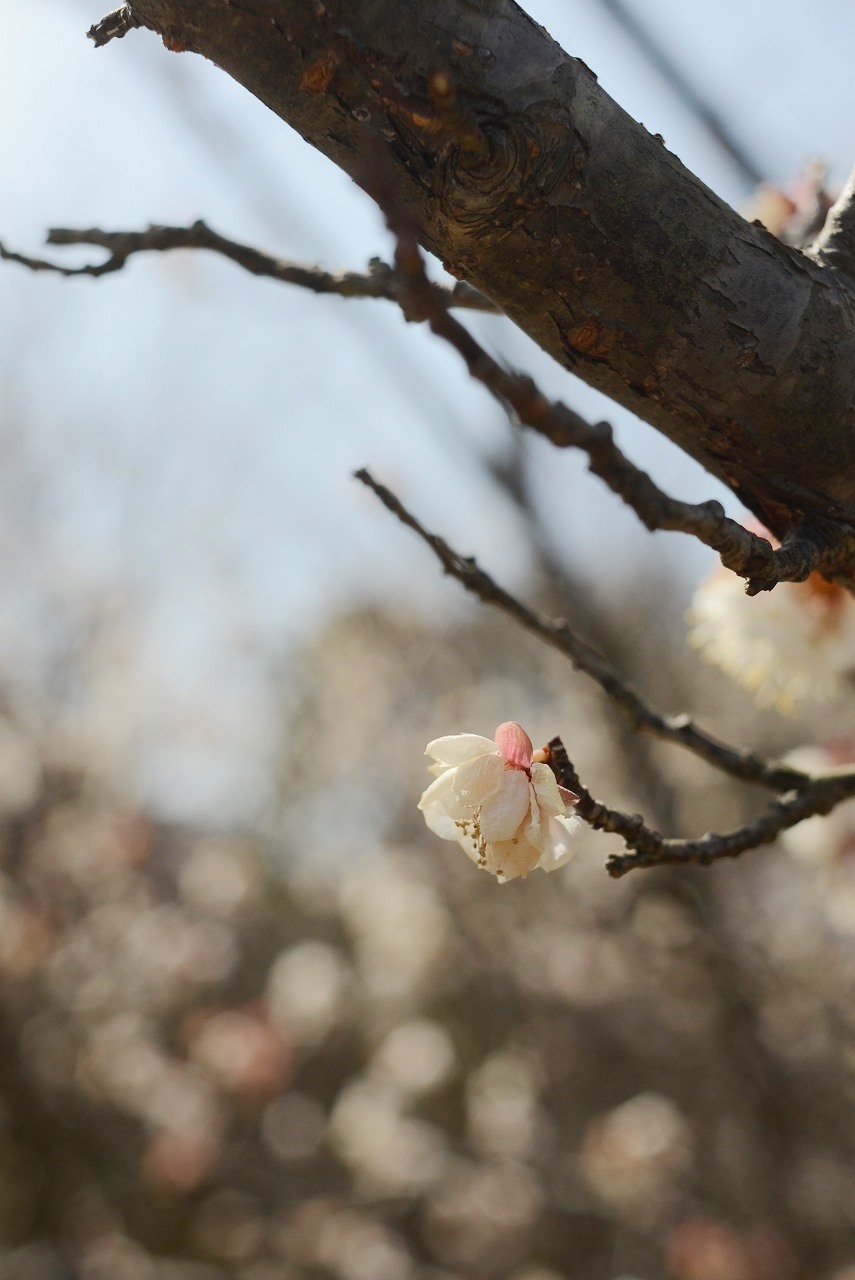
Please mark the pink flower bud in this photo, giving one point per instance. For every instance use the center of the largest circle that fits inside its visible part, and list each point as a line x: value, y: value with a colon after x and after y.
x: 514, y: 744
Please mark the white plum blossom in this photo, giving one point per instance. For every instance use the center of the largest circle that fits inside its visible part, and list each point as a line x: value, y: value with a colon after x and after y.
x: 500, y: 801
x: 794, y: 643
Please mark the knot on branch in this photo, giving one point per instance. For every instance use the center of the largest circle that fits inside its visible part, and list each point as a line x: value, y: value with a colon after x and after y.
x: 495, y: 169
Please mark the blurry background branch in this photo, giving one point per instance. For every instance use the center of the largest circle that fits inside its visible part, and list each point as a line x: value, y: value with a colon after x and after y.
x: 687, y: 89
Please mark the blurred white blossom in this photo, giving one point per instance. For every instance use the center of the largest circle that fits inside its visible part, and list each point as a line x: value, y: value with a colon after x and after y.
x: 500, y: 801
x: 306, y: 990
x: 827, y: 843
x: 636, y: 1156
x: 416, y: 1056
x: 389, y: 1151
x: 794, y: 643
x: 400, y: 928
x: 831, y: 837
x: 503, y: 1119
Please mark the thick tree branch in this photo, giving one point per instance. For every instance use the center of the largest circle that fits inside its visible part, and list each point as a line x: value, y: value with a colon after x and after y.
x: 380, y: 281
x: 578, y: 223
x: 559, y: 635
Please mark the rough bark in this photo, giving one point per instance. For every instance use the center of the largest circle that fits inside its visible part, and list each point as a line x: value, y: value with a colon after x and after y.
x: 527, y: 180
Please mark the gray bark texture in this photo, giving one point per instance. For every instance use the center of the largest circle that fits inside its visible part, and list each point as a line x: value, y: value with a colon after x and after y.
x: 527, y: 180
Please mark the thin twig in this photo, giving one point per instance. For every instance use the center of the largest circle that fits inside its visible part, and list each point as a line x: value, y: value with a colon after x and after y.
x: 380, y: 281
x: 651, y: 849
x: 680, y: 730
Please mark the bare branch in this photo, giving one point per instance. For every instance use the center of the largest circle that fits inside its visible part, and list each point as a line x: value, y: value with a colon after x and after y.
x: 747, y: 554
x: 651, y: 849
x: 835, y: 244
x: 380, y: 281
x: 677, y: 729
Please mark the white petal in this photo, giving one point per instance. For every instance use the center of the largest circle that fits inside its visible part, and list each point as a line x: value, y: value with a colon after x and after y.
x: 458, y: 747
x: 511, y: 859
x: 463, y: 830
x: 476, y: 781
x: 546, y: 789
x: 439, y: 792
x: 441, y: 824
x: 535, y: 831
x: 561, y: 842
x: 505, y: 812
x: 445, y: 797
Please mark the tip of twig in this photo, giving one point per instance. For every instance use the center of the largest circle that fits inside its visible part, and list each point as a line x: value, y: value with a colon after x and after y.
x: 113, y: 26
